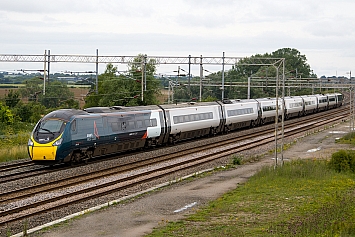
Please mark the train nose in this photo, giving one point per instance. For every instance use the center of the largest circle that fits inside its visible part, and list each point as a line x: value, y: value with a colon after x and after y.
x: 44, y: 152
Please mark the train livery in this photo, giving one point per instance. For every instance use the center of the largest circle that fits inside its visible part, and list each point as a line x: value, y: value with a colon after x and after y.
x: 70, y: 135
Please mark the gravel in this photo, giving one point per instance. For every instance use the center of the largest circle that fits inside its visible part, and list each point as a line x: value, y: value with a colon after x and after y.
x: 51, y: 216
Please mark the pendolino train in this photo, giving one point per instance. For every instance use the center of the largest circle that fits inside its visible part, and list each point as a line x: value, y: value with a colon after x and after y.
x: 70, y: 135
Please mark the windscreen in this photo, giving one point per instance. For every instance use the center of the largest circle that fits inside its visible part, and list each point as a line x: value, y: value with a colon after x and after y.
x: 48, y: 130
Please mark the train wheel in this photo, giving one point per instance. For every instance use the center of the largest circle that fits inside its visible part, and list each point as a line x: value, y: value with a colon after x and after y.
x: 252, y: 124
x: 75, y: 158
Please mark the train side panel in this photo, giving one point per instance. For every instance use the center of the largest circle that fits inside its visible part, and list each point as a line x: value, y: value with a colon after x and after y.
x: 268, y: 108
x: 322, y: 102
x: 193, y: 121
x: 339, y: 99
x: 310, y: 104
x: 332, y: 101
x: 240, y: 113
x: 294, y: 106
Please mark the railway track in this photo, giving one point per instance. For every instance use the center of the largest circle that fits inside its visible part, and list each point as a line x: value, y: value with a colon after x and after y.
x: 23, y: 169
x: 26, y: 202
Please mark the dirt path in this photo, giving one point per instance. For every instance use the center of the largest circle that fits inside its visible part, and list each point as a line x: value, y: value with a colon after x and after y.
x: 140, y: 216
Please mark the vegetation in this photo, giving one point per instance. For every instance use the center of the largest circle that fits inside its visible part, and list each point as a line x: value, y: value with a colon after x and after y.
x: 302, y: 198
x: 296, y: 66
x: 126, y: 89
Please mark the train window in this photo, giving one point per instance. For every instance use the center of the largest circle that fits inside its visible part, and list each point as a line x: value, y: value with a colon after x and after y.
x: 131, y: 125
x: 73, y: 126
x: 139, y: 124
x: 153, y: 122
x: 104, y: 121
x: 147, y: 122
x: 51, y: 125
x: 180, y: 119
x: 192, y: 117
x: 186, y: 118
x: 115, y: 127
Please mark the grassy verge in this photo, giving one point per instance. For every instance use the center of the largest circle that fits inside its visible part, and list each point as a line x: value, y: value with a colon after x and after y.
x: 347, y: 139
x: 302, y: 198
x: 14, y: 147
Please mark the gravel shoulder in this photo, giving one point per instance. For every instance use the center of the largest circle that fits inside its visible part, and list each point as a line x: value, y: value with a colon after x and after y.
x: 139, y: 216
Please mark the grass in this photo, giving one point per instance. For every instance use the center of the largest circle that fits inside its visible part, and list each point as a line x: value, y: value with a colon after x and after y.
x: 302, y: 198
x: 349, y: 138
x: 14, y: 147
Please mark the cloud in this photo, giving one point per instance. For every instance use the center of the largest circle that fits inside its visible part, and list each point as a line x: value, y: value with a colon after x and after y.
x: 337, y: 26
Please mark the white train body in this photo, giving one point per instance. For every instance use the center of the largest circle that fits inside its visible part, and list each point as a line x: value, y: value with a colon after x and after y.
x: 269, y: 107
x: 310, y: 104
x: 241, y: 113
x: 294, y: 106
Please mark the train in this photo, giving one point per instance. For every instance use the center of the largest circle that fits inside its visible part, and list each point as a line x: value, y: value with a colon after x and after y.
x: 76, y: 136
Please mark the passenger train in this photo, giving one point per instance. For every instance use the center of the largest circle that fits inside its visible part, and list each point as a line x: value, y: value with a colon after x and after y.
x: 70, y: 135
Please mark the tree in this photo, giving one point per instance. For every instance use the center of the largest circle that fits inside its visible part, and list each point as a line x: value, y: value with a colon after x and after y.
x: 30, y: 112
x: 32, y: 90
x: 295, y: 65
x: 126, y: 88
x: 56, y: 95
x: 295, y: 62
x: 6, y: 115
x: 12, y: 98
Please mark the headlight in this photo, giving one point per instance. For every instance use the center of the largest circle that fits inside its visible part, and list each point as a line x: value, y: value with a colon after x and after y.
x: 58, y: 142
x: 30, y: 142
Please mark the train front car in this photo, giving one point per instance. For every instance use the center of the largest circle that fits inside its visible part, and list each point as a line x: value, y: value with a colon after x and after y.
x: 48, y: 141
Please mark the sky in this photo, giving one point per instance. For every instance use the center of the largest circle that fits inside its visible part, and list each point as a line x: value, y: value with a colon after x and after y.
x: 322, y: 30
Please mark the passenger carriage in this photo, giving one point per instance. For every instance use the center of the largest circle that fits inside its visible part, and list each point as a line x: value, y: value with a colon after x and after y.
x: 241, y: 113
x: 268, y: 109
x: 310, y: 104
x: 190, y: 120
x: 339, y: 99
x: 322, y: 102
x: 294, y: 106
x: 332, y: 101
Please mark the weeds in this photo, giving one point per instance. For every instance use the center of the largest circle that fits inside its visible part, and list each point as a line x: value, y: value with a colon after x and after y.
x: 13, y: 147
x: 237, y: 160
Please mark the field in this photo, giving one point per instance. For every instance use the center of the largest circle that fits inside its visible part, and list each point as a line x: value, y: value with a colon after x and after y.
x: 80, y: 93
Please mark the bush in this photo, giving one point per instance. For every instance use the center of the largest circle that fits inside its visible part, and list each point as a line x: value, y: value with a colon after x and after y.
x: 343, y: 160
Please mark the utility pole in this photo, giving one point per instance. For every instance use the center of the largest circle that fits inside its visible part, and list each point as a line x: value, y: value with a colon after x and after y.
x: 44, y: 72
x: 223, y: 77
x: 49, y: 61
x: 189, y: 89
x: 201, y: 75
x: 97, y: 72
x: 142, y: 81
